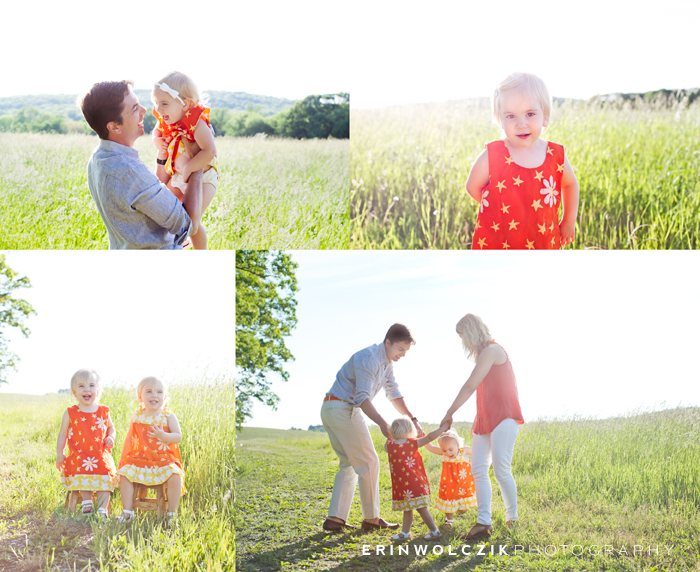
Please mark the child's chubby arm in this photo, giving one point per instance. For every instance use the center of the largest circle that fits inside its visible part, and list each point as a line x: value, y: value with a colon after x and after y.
x: 204, y: 137
x: 174, y: 436
x: 569, y: 200
x: 478, y: 176
x: 466, y: 452
x: 423, y: 441
x: 433, y: 449
x: 111, y: 434
x: 61, y: 443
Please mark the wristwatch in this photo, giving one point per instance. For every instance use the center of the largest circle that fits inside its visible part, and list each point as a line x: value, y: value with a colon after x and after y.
x: 161, y: 161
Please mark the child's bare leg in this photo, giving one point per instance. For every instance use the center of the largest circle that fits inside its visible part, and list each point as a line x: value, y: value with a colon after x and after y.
x: 199, y: 240
x: 407, y: 521
x: 86, y: 495
x: 127, y: 489
x: 449, y: 519
x: 103, y: 499
x: 174, y: 492
x: 427, y: 518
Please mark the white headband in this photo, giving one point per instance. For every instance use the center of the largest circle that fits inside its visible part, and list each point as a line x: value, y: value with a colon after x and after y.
x: 170, y: 91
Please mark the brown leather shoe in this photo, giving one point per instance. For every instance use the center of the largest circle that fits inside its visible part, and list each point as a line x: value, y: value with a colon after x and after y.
x: 382, y: 524
x: 335, y: 526
x: 478, y: 531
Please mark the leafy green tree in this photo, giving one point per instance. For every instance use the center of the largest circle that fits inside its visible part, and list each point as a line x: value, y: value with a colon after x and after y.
x: 266, y: 285
x: 13, y: 312
x: 318, y: 116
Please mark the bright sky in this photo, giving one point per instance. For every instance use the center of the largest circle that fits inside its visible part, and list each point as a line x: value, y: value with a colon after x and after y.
x: 589, y: 333
x: 127, y: 315
x: 459, y: 49
x: 281, y: 49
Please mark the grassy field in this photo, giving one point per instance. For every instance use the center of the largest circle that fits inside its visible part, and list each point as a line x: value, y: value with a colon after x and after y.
x: 37, y: 533
x: 638, y: 173
x: 614, y: 484
x: 273, y: 193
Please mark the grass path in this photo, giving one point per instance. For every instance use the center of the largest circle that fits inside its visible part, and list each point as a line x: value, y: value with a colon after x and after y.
x: 284, y: 483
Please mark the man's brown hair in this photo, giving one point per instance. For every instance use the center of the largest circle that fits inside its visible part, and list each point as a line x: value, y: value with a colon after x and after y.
x: 104, y: 102
x: 399, y: 333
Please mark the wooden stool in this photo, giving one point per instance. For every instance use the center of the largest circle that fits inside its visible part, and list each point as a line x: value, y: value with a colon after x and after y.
x: 142, y: 502
x: 74, y: 498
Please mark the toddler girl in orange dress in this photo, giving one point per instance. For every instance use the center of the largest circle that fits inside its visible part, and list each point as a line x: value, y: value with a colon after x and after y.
x: 409, y: 483
x: 183, y: 120
x: 88, y: 430
x: 521, y: 180
x: 150, y: 455
x: 457, y: 492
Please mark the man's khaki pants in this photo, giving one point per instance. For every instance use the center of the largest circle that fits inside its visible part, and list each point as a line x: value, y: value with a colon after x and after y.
x: 353, y: 444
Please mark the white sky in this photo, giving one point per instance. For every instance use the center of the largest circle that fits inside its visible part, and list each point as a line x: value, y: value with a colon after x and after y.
x: 383, y: 53
x: 281, y: 49
x: 127, y: 315
x: 589, y: 333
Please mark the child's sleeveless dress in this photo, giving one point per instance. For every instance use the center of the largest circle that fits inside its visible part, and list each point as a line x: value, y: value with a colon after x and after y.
x: 520, y: 207
x: 89, y: 465
x: 456, y: 485
x: 183, y: 128
x: 409, y: 484
x: 149, y: 461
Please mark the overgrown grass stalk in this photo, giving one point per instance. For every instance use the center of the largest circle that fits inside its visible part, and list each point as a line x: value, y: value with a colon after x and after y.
x: 632, y: 480
x: 273, y: 193
x: 32, y: 497
x: 638, y: 172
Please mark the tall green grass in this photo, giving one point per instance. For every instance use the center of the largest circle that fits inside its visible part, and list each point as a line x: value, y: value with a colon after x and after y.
x: 32, y: 497
x: 273, y: 193
x: 638, y: 172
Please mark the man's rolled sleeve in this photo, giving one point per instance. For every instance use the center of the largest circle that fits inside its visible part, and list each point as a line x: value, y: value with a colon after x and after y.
x: 391, y: 389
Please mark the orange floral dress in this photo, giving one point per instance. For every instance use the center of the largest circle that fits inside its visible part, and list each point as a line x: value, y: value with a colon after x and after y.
x: 409, y: 484
x: 520, y: 207
x: 456, y: 484
x: 183, y: 128
x: 146, y: 459
x: 89, y: 465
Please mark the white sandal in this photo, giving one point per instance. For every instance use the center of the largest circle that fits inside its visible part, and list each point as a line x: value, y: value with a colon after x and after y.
x: 172, y: 519
x: 126, y: 516
x: 102, y: 513
x: 401, y: 536
x: 433, y: 534
x: 87, y: 507
x: 449, y: 522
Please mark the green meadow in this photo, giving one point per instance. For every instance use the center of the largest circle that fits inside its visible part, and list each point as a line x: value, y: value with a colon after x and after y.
x: 620, y: 494
x: 38, y: 533
x: 638, y: 171
x: 273, y: 193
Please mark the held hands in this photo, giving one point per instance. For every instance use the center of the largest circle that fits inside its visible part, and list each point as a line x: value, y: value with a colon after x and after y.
x: 386, y: 431
x: 108, y: 442
x: 445, y: 427
x: 567, y: 232
x: 419, y: 429
x: 447, y: 421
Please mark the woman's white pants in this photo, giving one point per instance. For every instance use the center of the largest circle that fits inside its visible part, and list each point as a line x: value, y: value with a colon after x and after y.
x: 495, y: 448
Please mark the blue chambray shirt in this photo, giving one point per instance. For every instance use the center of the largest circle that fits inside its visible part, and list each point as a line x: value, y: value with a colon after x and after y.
x: 138, y: 210
x: 364, y: 375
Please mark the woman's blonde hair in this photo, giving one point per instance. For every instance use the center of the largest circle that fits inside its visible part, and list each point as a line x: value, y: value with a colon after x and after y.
x: 86, y: 375
x: 451, y: 434
x: 185, y: 86
x: 152, y: 379
x: 475, y: 335
x: 403, y: 428
x: 532, y: 87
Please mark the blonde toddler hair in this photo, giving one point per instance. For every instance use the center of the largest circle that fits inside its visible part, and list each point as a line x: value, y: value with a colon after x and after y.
x: 475, y: 335
x: 532, y: 87
x: 185, y: 86
x: 402, y: 428
x: 152, y: 379
x: 451, y: 434
x: 85, y: 375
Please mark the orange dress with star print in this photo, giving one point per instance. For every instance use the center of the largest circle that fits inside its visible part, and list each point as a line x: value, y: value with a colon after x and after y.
x: 520, y: 207
x: 183, y: 128
x: 89, y: 465
x: 457, y: 490
x: 409, y: 484
x: 146, y: 459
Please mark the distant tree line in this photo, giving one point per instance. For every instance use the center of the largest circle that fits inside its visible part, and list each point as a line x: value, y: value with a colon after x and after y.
x: 316, y: 116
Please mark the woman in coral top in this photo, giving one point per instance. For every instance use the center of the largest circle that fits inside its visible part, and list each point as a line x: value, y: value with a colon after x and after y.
x: 498, y: 417
x: 150, y: 455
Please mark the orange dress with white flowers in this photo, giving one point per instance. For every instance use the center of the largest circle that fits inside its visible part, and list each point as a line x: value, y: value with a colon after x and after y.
x: 89, y: 465
x: 457, y: 490
x: 148, y: 460
x: 519, y: 206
